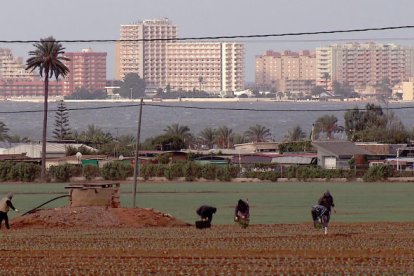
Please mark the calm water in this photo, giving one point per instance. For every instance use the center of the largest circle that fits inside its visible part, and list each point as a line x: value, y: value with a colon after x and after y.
x: 123, y: 120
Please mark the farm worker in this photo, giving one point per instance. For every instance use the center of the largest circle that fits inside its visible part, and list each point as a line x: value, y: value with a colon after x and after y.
x: 319, y: 213
x: 242, y: 210
x: 206, y: 212
x: 5, y: 205
x: 327, y: 201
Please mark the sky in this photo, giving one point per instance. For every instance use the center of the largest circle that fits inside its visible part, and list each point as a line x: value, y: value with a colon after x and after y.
x: 101, y: 19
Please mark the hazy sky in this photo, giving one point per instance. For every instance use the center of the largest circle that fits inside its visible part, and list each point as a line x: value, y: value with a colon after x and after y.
x: 101, y: 19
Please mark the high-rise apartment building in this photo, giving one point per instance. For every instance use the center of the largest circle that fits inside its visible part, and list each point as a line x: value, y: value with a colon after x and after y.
x: 207, y: 66
x: 145, y: 53
x: 87, y: 69
x: 153, y: 54
x: 287, y: 71
x: 362, y: 63
x: 13, y: 68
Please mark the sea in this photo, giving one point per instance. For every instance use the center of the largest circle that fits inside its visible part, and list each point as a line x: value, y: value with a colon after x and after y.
x: 24, y: 118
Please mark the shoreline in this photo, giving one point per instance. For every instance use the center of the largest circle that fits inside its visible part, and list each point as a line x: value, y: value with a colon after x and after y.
x: 196, y: 100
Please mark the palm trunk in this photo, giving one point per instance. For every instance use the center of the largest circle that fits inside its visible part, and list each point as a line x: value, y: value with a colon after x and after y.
x: 45, y: 111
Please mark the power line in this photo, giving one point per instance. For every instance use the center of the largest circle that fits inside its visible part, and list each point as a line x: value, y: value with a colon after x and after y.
x: 221, y: 37
x: 202, y: 108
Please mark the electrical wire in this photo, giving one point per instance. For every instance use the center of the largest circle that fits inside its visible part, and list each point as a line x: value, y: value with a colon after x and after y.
x: 220, y: 37
x: 203, y: 108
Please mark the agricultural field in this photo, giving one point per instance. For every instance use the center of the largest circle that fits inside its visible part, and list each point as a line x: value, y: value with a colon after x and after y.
x: 371, y: 233
x: 358, y: 248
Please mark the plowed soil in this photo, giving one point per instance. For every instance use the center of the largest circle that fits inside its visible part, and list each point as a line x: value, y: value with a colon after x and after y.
x: 91, y: 217
x: 122, y: 243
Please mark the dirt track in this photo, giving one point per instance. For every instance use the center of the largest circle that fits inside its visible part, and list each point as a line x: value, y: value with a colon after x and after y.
x: 379, y: 248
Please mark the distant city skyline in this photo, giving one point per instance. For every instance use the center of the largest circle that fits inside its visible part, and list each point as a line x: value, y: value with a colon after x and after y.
x: 93, y: 19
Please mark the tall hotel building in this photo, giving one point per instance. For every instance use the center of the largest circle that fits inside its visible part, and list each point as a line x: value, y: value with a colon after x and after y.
x: 146, y: 53
x: 287, y: 71
x: 211, y: 66
x: 207, y: 66
x: 13, y: 68
x: 362, y: 63
x: 87, y: 69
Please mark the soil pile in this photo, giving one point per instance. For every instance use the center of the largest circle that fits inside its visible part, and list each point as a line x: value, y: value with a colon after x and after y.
x: 96, y: 217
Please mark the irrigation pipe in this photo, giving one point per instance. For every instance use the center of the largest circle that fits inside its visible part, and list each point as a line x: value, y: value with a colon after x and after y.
x: 34, y: 209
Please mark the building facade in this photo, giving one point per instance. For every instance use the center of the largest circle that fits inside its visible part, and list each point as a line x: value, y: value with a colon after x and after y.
x: 205, y: 66
x: 360, y: 64
x: 148, y: 48
x: 287, y: 71
x: 142, y: 50
x: 30, y: 89
x: 87, y: 69
x: 13, y: 68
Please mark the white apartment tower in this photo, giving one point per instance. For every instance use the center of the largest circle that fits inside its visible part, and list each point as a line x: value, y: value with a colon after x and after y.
x: 13, y: 68
x: 188, y: 66
x: 145, y: 54
x: 207, y: 66
x: 362, y: 63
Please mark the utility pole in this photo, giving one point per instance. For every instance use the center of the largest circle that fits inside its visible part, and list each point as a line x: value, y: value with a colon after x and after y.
x: 136, y: 167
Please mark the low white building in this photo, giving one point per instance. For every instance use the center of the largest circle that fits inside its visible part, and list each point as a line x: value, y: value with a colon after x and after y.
x: 53, y: 150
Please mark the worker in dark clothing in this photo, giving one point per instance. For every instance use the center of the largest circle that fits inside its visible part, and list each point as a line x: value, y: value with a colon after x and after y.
x: 327, y: 201
x: 242, y: 210
x: 206, y: 212
x: 5, y: 205
x: 242, y: 213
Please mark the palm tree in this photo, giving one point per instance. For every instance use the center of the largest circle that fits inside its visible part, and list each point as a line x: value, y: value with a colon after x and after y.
x: 295, y: 134
x: 224, y: 136
x: 327, y: 124
x: 208, y: 136
x: 179, y: 131
x: 48, y: 58
x: 93, y: 135
x: 258, y: 133
x: 3, y: 132
x: 239, y: 138
x: 326, y: 77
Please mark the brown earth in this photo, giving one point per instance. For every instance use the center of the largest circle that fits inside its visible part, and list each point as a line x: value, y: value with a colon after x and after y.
x: 90, y: 217
x: 100, y: 241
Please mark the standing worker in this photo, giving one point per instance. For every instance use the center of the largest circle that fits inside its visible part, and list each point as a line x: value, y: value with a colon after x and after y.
x: 5, y: 205
x: 327, y: 201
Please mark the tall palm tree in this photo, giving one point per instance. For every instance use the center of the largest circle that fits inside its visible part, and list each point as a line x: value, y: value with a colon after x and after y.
x: 48, y: 58
x: 295, y: 134
x: 208, y: 136
x: 224, y: 136
x: 258, y: 133
x: 326, y: 77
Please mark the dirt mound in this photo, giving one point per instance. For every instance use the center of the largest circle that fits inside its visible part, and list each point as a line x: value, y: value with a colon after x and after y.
x: 95, y: 217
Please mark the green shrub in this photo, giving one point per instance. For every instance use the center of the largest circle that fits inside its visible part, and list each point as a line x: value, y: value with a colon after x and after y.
x: 173, y: 170
x: 225, y: 173
x: 209, y: 171
x: 117, y: 170
x: 376, y: 173
x: 63, y: 173
x: 5, y: 169
x: 191, y: 171
x: 90, y: 172
x: 27, y: 172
